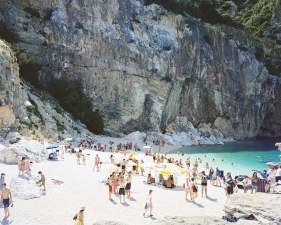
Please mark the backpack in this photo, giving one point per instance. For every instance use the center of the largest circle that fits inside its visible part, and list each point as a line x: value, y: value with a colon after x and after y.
x: 204, y: 180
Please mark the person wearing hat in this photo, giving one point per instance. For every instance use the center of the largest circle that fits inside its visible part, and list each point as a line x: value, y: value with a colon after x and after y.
x: 80, y: 217
x: 2, y: 180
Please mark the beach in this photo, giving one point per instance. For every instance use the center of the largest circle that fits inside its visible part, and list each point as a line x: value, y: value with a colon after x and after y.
x: 84, y: 187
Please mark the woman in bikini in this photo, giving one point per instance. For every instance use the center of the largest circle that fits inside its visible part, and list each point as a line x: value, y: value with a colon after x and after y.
x: 187, y: 189
x: 254, y: 181
x: 21, y: 165
x: 114, y: 179
x: 97, y: 160
x: 193, y: 189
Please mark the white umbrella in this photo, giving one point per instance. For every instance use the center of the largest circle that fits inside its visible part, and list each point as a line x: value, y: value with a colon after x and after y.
x: 111, y: 168
x: 147, y: 147
x: 120, y: 157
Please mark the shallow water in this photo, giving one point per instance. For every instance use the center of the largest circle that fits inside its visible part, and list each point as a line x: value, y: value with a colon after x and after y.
x: 245, y: 155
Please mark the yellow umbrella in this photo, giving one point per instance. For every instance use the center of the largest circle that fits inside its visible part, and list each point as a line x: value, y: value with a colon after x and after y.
x: 131, y: 155
x: 169, y: 169
x: 150, y: 165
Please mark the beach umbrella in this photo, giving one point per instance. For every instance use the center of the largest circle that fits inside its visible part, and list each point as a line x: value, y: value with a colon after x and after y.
x: 147, y: 147
x: 131, y: 155
x: 51, y: 146
x: 120, y: 157
x: 111, y: 168
x: 169, y: 169
x: 149, y: 165
x: 68, y: 139
x: 130, y: 164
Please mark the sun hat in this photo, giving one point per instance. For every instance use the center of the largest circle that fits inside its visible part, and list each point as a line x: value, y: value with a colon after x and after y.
x: 82, y: 208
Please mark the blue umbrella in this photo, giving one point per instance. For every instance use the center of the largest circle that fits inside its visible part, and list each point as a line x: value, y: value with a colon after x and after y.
x: 52, y: 146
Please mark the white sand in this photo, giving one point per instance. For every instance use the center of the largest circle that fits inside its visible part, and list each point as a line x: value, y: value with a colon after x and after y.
x: 82, y: 187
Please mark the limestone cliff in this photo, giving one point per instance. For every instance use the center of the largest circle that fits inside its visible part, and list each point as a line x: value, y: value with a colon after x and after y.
x: 144, y: 66
x: 27, y: 110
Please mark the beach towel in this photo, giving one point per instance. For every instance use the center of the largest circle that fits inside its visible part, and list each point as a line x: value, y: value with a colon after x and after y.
x: 57, y: 181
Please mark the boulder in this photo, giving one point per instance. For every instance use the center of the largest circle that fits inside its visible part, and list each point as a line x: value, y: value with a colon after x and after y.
x: 32, y: 150
x: 112, y: 133
x: 266, y: 207
x: 13, y: 137
x: 24, y: 187
x: 135, y: 136
x: 194, y: 220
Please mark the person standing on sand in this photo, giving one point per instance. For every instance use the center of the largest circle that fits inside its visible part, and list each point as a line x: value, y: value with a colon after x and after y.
x: 6, y: 197
x: 193, y: 189
x: 110, y: 184
x: 128, y: 185
x: 122, y: 188
x: 80, y: 217
x: 42, y: 181
x: 187, y: 189
x: 204, y: 180
x: 97, y: 160
x: 21, y: 165
x: 254, y: 181
x: 148, y: 204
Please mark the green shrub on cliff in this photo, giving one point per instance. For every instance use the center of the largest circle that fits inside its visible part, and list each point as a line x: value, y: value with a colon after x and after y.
x: 255, y: 15
x: 72, y: 98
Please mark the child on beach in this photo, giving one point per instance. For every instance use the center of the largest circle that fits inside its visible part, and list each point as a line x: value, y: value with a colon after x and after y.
x: 41, y: 182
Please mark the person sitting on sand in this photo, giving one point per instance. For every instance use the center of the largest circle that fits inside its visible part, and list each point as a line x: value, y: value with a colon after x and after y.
x: 149, y: 179
x: 161, y: 179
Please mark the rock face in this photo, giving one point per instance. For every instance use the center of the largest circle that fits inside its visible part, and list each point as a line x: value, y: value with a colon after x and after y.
x: 144, y: 66
x: 43, y: 117
x: 32, y: 150
x: 25, y: 188
x: 266, y: 207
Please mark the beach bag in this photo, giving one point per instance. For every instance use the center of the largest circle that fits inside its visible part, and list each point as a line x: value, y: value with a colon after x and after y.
x: 146, y: 206
x: 183, y: 185
x: 75, y: 217
x: 78, y: 222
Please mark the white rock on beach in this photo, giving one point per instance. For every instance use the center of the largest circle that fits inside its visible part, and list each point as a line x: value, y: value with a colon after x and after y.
x: 265, y: 207
x: 25, y: 188
x: 32, y: 150
x: 135, y: 136
x: 13, y: 137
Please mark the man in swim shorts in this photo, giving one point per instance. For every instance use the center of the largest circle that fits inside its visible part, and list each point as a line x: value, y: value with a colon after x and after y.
x: 42, y: 181
x: 128, y: 185
x: 122, y: 188
x: 6, y: 197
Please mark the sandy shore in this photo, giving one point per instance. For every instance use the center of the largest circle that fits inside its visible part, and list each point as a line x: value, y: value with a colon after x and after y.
x: 83, y: 187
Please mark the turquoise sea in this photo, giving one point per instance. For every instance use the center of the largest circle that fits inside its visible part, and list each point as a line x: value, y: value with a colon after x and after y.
x: 245, y: 155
